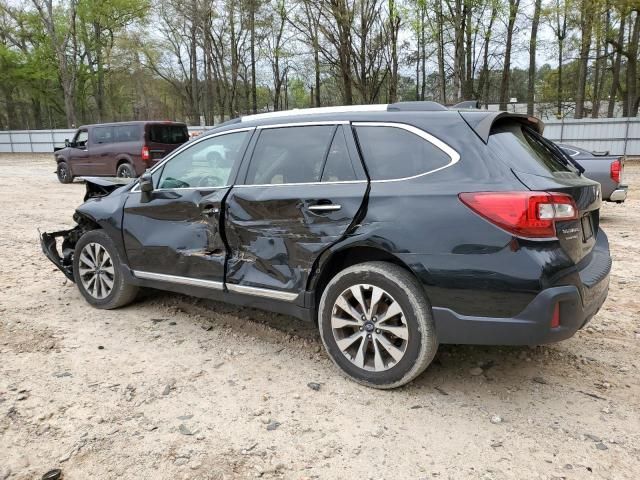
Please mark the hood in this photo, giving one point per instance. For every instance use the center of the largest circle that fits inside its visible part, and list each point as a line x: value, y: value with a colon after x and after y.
x: 103, y: 186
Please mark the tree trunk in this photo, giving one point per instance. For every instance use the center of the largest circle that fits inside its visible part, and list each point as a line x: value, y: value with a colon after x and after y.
x: 467, y: 91
x: 632, y: 68
x: 423, y: 44
x: 506, y: 70
x: 442, y: 80
x: 533, y: 42
x: 586, y: 24
x: 394, y: 25
x: 252, y: 33
x: 193, y: 65
x: 316, y: 65
x: 615, y: 75
x: 483, y: 83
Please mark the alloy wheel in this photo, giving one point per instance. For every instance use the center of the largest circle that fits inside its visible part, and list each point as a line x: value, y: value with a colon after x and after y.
x: 369, y: 327
x: 97, y: 272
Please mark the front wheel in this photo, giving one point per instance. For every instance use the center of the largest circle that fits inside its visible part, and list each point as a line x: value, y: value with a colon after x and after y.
x: 376, y: 324
x: 98, y: 273
x: 64, y: 173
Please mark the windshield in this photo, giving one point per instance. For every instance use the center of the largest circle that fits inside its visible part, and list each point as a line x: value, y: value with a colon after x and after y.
x: 168, y: 134
x: 524, y: 150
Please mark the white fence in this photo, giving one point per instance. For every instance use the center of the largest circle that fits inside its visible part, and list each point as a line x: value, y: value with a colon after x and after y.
x: 43, y: 141
x: 620, y: 136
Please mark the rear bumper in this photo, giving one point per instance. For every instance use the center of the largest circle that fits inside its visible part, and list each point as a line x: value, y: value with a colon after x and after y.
x: 619, y: 194
x: 578, y: 304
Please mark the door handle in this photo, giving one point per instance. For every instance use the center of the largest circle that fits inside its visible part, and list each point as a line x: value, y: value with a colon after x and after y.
x: 331, y: 207
x: 209, y: 210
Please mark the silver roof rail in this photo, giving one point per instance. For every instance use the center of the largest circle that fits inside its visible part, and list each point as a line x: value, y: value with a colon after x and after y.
x: 316, y: 111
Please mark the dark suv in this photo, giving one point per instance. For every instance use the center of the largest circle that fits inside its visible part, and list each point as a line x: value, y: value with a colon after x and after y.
x: 117, y: 149
x: 394, y: 227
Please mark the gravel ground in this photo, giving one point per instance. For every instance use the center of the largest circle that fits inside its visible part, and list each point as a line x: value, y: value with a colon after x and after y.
x: 178, y: 388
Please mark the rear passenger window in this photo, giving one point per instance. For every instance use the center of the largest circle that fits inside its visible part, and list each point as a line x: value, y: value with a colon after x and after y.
x: 289, y: 155
x: 392, y: 152
x: 338, y: 166
x: 103, y: 135
x: 126, y: 133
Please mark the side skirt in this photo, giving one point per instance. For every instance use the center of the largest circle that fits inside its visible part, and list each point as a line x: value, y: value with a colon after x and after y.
x: 264, y: 299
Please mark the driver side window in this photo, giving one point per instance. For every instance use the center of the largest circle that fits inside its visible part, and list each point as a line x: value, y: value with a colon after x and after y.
x: 81, y: 138
x: 206, y: 164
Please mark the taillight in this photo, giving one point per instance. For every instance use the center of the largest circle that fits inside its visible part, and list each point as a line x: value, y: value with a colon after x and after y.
x: 524, y: 214
x: 616, y: 170
x: 146, y: 156
x: 555, y: 319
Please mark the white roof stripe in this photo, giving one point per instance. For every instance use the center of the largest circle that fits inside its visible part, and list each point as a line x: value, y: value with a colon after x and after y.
x: 316, y: 111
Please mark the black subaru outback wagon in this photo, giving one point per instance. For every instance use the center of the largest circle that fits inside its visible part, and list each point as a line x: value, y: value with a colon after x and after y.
x: 394, y: 227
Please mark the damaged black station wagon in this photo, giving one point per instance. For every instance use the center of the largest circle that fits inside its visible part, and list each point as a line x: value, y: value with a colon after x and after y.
x: 394, y: 227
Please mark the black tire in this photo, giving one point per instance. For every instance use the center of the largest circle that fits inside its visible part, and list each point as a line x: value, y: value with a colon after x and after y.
x: 402, y: 287
x: 64, y: 173
x: 121, y: 293
x: 125, y: 170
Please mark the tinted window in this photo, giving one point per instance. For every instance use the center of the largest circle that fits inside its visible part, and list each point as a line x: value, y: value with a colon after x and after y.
x: 103, y: 134
x: 525, y: 150
x: 169, y: 134
x: 289, y: 155
x: 391, y: 152
x: 338, y: 166
x: 207, y: 163
x: 126, y: 133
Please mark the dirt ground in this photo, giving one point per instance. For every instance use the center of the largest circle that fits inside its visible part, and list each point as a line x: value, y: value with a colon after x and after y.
x: 178, y: 388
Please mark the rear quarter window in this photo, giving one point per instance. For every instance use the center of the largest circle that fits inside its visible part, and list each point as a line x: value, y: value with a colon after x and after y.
x: 392, y: 152
x: 525, y: 150
x: 167, y: 134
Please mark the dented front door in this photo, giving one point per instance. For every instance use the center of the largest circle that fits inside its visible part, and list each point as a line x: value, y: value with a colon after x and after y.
x: 175, y: 230
x: 176, y: 233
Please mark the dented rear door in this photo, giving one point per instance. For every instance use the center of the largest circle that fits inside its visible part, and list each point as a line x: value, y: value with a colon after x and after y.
x: 303, y: 189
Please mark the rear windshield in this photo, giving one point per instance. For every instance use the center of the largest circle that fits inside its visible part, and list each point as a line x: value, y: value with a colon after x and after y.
x: 169, y: 134
x: 525, y: 150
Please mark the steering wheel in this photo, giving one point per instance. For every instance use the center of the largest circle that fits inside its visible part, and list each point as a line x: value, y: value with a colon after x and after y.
x: 209, y: 181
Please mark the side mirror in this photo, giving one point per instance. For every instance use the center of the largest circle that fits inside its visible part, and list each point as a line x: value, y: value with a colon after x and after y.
x: 66, y: 142
x: 146, y: 183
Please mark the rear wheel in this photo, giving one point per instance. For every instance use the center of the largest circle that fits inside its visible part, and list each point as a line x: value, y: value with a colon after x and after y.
x: 98, y: 274
x: 64, y: 172
x: 125, y: 170
x: 376, y: 324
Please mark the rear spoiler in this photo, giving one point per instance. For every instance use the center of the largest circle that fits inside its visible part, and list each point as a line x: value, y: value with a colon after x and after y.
x: 482, y: 121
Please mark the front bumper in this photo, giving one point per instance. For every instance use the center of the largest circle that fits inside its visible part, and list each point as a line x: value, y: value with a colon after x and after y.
x: 619, y: 194
x: 578, y: 304
x: 49, y: 244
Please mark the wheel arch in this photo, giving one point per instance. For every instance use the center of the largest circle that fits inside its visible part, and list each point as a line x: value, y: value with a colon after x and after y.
x: 120, y: 159
x: 336, y: 260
